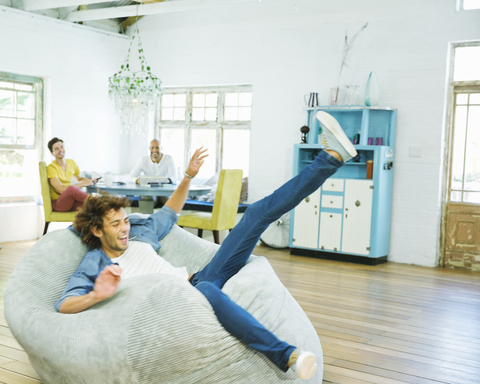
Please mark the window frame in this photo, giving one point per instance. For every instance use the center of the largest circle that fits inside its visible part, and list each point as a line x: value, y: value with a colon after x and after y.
x: 38, y: 84
x: 453, y: 90
x: 189, y: 125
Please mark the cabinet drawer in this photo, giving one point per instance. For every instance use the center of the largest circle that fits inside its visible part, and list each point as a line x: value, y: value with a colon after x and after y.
x: 330, y: 201
x: 333, y: 185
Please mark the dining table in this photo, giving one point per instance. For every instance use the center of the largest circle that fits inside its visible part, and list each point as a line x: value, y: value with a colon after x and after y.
x: 146, y: 203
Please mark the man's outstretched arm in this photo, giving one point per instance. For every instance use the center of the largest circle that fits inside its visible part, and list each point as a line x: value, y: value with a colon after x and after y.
x: 177, y: 200
x: 106, y: 285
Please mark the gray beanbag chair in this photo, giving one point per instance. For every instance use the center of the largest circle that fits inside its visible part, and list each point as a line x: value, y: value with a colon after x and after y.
x: 156, y: 328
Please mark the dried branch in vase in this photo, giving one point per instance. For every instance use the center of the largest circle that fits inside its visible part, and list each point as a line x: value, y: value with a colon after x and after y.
x: 346, y: 49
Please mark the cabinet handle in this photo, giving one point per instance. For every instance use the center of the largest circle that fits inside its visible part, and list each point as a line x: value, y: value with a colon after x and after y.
x: 331, y: 202
x: 357, y: 203
x: 307, y: 199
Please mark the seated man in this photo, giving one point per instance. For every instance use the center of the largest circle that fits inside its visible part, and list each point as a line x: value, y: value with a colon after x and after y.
x: 106, y: 230
x: 65, y: 197
x: 157, y: 164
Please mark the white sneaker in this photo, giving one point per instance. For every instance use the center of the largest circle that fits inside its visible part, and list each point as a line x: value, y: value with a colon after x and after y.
x: 306, y: 365
x: 333, y: 136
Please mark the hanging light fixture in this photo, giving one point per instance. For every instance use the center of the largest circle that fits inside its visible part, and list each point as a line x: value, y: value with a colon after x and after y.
x: 134, y: 91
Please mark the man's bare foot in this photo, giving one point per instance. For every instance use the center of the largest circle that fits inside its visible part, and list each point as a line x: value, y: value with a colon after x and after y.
x: 334, y: 154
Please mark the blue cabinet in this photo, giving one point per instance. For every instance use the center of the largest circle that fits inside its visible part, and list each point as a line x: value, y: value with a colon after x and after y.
x: 348, y: 218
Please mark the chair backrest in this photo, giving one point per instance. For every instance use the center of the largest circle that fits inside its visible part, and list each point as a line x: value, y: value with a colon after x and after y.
x: 47, y: 199
x: 227, y: 198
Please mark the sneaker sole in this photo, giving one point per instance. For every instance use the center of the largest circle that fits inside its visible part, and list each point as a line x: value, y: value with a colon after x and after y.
x: 330, y: 123
x: 306, y: 366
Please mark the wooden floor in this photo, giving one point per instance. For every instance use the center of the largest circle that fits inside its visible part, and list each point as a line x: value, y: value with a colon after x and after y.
x: 387, y: 324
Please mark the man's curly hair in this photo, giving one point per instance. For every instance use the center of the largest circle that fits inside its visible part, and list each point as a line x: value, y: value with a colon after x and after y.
x: 92, y: 213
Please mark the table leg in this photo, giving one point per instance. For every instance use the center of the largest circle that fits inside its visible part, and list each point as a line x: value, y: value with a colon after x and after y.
x: 146, y: 204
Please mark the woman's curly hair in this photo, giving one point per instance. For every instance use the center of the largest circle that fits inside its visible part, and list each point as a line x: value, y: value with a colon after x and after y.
x: 92, y: 213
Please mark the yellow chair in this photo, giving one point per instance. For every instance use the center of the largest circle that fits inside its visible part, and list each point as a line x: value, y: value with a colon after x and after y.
x: 50, y: 214
x: 225, y: 206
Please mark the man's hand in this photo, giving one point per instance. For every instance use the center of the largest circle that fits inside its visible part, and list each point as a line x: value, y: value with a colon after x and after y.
x: 107, y: 282
x: 105, y: 286
x: 196, y: 162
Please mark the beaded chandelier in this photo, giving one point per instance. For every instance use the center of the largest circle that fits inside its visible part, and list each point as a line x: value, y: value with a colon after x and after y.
x: 134, y: 92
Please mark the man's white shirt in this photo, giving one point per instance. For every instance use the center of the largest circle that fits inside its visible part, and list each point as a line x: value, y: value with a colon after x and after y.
x: 166, y: 167
x: 141, y: 259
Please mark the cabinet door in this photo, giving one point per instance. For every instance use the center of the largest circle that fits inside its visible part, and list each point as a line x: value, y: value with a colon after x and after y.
x: 357, y: 216
x: 305, y: 223
x: 330, y: 231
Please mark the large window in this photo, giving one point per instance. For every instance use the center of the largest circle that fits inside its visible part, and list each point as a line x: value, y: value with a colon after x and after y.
x: 467, y: 5
x: 20, y: 136
x: 465, y: 138
x: 218, y: 118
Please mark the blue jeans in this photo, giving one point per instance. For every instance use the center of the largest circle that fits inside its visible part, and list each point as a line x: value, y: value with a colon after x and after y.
x: 237, y: 248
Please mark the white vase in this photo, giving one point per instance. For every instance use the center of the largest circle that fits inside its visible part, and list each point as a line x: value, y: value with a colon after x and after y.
x: 371, y: 90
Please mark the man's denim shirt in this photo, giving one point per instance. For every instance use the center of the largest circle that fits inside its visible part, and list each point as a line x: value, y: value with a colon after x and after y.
x: 149, y: 230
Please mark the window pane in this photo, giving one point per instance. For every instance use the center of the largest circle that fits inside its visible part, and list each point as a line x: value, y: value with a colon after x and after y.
x: 245, y: 114
x: 236, y: 150
x: 25, y: 105
x: 167, y: 114
x: 19, y: 173
x: 167, y: 100
x: 462, y: 98
x: 179, y: 100
x: 6, y: 85
x: 456, y: 196
x: 24, y: 87
x: 459, y: 146
x: 26, y: 132
x: 172, y: 142
x: 467, y: 64
x: 7, y: 131
x: 231, y: 113
x: 6, y: 104
x: 207, y: 139
x: 211, y: 100
x: 179, y: 114
x: 471, y: 197
x: 472, y: 158
x: 245, y: 99
x: 198, y: 114
x: 231, y: 99
x: 471, y: 4
x: 210, y: 114
x: 199, y: 100
x: 475, y: 98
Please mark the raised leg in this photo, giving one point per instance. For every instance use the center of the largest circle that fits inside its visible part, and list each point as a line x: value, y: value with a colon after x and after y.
x: 239, y: 244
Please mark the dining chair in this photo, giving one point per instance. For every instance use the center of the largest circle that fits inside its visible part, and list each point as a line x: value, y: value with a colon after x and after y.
x: 50, y: 214
x: 225, y: 206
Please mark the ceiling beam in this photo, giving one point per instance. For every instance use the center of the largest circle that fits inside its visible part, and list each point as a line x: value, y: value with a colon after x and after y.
x: 148, y: 9
x: 35, y: 5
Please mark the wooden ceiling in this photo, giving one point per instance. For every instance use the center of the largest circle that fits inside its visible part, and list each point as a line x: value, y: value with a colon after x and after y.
x: 114, y: 14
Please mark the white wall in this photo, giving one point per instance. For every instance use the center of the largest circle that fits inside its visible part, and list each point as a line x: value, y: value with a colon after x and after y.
x: 286, y: 54
x: 75, y: 62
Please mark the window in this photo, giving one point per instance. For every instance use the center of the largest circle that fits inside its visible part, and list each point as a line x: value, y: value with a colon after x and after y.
x: 467, y: 5
x: 219, y: 118
x: 20, y: 136
x: 465, y: 139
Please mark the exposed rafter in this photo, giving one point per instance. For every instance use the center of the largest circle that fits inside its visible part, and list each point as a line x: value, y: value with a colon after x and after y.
x: 148, y: 9
x: 35, y: 5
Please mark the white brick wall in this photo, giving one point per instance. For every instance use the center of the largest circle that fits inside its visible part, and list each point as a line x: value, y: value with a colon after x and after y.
x: 287, y: 54
x: 75, y: 62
